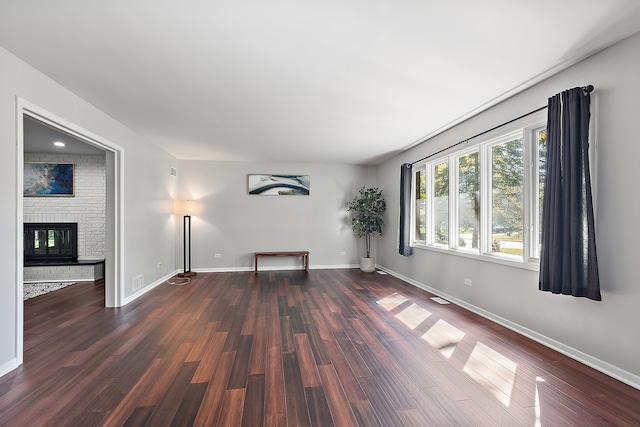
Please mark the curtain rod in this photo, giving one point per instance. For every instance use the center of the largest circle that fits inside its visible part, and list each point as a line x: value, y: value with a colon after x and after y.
x: 585, y: 90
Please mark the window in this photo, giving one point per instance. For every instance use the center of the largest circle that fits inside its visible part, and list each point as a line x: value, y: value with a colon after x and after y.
x: 507, y: 190
x: 420, y: 206
x: 469, y: 202
x: 441, y: 203
x: 484, y: 200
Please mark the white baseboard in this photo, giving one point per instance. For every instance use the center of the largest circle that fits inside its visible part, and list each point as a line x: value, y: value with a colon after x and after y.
x: 222, y: 269
x: 597, y: 364
x: 9, y: 366
x: 334, y: 267
x: 273, y: 268
x: 147, y: 288
x: 58, y: 281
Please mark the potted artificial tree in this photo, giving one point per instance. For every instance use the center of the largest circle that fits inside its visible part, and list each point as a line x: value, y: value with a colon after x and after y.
x: 367, y: 207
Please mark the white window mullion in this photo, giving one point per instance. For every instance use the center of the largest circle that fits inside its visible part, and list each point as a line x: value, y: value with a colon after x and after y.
x: 529, y: 196
x: 534, y: 188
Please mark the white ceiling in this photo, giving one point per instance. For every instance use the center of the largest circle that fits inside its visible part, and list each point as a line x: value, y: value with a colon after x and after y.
x: 351, y: 81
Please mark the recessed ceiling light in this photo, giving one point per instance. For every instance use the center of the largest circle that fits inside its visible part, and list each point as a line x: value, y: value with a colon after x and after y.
x: 59, y: 144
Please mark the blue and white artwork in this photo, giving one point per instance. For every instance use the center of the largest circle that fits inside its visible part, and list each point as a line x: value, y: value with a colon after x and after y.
x: 48, y: 179
x: 279, y: 185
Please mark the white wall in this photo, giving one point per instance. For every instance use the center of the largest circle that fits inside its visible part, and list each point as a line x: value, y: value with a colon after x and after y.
x: 149, y: 228
x: 235, y: 224
x: 86, y: 207
x: 604, y: 334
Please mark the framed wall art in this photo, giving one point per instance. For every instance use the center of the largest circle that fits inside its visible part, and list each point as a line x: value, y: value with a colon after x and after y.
x: 279, y: 185
x: 48, y: 179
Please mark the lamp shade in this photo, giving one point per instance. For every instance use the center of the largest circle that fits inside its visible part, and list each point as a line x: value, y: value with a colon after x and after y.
x: 186, y: 207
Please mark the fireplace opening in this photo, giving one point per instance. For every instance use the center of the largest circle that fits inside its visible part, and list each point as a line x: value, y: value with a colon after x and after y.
x: 50, y: 242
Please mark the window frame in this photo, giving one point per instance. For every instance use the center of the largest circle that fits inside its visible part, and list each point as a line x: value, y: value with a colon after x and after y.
x: 527, y: 128
x: 504, y: 139
x: 455, y: 184
x: 431, y: 212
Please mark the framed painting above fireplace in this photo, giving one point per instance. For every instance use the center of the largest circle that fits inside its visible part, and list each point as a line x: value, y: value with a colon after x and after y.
x: 48, y: 179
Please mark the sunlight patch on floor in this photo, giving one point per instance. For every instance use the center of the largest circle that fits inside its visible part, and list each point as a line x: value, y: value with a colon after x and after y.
x: 444, y: 337
x: 413, y: 316
x: 392, y: 301
x: 537, y: 405
x: 492, y: 370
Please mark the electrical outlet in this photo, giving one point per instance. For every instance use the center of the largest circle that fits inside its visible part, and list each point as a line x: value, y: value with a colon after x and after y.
x: 217, y: 255
x: 467, y: 282
x: 343, y: 253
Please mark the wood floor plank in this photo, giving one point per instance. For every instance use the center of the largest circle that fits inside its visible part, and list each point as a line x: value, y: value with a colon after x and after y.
x: 200, y: 347
x: 357, y: 364
x: 275, y: 420
x: 396, y: 392
x: 317, y: 345
x: 212, y: 352
x: 121, y: 412
x: 347, y: 377
x: 139, y: 417
x: 286, y: 335
x: 329, y: 347
x: 210, y: 408
x: 619, y: 410
x: 274, y: 334
x: 308, y: 368
x: 274, y: 384
x: 249, y: 325
x: 364, y: 413
x: 189, y: 406
x: 338, y: 403
x: 321, y: 325
x: 259, y: 347
x: 232, y: 408
x: 319, y: 412
x: 157, y: 390
x: 173, y: 397
x: 384, y: 410
x: 253, y: 412
x: 240, y: 370
x: 297, y: 411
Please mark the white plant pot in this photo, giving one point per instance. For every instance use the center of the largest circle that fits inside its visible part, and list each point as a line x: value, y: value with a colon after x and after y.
x: 368, y: 265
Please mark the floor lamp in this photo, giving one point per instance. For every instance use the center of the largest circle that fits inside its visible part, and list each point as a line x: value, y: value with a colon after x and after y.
x: 186, y: 208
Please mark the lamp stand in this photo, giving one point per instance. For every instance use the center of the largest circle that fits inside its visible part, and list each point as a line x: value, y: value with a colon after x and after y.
x: 186, y: 230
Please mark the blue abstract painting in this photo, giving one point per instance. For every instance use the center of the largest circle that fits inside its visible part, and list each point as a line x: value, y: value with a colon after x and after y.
x: 279, y: 185
x: 48, y: 179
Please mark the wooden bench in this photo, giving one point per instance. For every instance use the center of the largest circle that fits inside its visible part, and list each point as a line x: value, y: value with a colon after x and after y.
x: 304, y: 254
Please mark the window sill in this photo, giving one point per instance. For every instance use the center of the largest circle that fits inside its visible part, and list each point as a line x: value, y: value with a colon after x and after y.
x: 534, y: 266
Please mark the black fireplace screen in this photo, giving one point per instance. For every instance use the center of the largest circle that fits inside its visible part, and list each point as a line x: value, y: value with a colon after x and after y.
x: 51, y: 241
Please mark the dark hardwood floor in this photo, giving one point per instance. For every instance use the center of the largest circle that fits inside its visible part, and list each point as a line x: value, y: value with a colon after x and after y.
x: 331, y: 347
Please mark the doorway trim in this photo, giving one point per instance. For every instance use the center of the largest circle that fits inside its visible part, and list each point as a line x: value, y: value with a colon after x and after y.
x: 114, y: 159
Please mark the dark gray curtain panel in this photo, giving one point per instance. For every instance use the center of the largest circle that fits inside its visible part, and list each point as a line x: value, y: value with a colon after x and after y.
x: 404, y: 244
x: 568, y: 260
